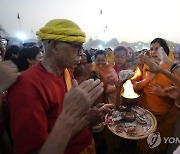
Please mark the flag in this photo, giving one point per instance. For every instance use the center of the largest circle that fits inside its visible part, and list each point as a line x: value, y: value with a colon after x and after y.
x: 18, y: 16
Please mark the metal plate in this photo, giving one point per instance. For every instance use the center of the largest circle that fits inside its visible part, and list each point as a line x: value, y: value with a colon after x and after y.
x: 152, y: 128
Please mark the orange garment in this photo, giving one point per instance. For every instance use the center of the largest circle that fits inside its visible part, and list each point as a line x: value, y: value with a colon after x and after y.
x: 164, y: 110
x: 68, y: 81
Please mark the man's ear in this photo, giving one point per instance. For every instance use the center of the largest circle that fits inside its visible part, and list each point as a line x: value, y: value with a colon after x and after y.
x: 53, y: 46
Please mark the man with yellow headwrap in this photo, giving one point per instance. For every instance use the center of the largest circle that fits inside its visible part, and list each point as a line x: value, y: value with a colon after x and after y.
x: 36, y: 100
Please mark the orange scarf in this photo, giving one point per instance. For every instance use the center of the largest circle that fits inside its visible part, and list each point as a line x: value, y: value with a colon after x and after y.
x: 68, y: 80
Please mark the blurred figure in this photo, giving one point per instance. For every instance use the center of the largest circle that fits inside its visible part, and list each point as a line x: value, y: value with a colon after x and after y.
x: 109, y: 56
x: 176, y: 56
x: 28, y: 57
x: 8, y: 75
x: 120, y: 57
x: 82, y: 71
x: 145, y: 52
x: 130, y: 58
x: 8, y: 71
x: 12, y: 52
x: 3, y: 44
x: 90, y: 54
x: 30, y: 44
x: 138, y: 63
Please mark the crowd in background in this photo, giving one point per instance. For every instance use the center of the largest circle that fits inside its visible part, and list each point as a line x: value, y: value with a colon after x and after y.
x: 158, y: 87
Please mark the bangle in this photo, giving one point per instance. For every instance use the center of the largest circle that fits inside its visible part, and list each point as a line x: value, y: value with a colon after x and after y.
x: 174, y: 66
x: 177, y: 105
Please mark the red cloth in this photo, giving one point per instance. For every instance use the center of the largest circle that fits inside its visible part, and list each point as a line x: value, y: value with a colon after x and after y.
x: 34, y: 102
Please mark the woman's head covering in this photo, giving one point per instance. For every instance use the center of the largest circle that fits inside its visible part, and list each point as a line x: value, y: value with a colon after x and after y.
x: 62, y: 30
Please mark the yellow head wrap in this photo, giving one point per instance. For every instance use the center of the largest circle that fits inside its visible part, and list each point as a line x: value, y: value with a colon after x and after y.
x: 61, y: 30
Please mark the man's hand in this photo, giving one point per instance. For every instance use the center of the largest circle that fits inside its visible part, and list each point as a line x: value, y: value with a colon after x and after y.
x: 96, y: 114
x: 93, y: 116
x: 80, y: 98
x: 106, y: 108
x: 8, y: 74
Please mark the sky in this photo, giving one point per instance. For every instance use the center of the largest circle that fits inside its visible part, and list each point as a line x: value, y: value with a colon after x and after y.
x: 126, y: 20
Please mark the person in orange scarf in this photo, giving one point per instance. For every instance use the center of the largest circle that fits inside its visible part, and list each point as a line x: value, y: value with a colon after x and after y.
x: 154, y: 99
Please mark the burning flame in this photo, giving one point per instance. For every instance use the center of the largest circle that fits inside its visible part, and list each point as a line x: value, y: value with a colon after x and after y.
x: 137, y: 73
x: 128, y: 90
x: 128, y: 86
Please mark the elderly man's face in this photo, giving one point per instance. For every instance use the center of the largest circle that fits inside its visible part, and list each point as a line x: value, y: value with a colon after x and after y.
x: 67, y: 54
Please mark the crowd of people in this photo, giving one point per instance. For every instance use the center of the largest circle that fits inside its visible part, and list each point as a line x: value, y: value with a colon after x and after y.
x: 52, y: 99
